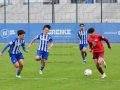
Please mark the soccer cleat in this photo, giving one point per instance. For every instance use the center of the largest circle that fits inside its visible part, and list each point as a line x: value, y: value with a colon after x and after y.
x: 40, y: 72
x: 103, y: 75
x: 18, y: 76
x: 104, y: 64
x: 84, y: 62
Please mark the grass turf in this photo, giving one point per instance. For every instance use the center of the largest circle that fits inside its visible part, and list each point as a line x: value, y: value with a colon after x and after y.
x: 64, y: 70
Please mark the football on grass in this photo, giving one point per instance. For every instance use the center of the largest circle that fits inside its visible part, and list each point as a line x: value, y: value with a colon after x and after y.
x: 88, y: 72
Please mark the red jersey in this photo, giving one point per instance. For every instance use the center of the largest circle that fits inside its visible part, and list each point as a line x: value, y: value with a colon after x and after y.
x: 95, y: 43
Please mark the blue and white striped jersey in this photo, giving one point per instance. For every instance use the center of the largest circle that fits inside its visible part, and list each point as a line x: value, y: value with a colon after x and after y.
x: 44, y: 40
x: 15, y: 46
x: 83, y: 36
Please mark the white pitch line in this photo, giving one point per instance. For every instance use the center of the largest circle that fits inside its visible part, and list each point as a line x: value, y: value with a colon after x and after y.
x: 58, y: 79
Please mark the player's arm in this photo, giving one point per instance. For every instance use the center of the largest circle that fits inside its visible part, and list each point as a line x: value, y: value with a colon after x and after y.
x: 24, y: 48
x: 51, y: 44
x: 4, y: 49
x: 106, y: 40
x: 78, y: 36
x: 37, y: 37
x: 9, y: 44
x: 90, y: 46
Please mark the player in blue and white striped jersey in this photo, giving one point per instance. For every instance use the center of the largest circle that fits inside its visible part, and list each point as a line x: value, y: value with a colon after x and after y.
x: 43, y: 49
x: 14, y: 51
x: 82, y: 36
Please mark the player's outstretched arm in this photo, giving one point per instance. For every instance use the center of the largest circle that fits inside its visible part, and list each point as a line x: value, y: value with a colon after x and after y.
x: 4, y: 49
x: 31, y: 42
x: 106, y: 40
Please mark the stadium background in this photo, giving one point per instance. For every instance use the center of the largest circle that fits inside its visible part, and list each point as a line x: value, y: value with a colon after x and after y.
x: 63, y: 15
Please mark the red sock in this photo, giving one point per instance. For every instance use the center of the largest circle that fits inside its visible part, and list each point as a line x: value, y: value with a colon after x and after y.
x: 100, y: 70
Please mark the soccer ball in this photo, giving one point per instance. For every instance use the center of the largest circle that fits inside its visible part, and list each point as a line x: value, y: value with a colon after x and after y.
x: 87, y: 72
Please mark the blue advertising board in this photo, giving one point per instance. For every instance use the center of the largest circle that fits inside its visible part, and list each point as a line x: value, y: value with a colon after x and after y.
x: 60, y: 32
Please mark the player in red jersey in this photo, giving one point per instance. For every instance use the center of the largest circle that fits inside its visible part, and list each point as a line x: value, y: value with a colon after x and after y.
x: 96, y: 46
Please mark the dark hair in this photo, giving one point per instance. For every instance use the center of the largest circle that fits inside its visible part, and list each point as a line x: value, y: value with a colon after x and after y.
x: 81, y: 24
x: 90, y: 30
x: 47, y: 26
x: 20, y: 32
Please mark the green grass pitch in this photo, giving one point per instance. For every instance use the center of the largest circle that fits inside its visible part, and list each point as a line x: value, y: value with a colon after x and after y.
x: 63, y: 71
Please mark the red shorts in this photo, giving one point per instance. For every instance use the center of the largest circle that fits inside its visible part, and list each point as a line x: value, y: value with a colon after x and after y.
x: 97, y: 55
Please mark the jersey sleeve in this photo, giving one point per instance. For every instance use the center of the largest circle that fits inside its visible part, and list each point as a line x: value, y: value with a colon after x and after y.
x: 12, y: 42
x: 106, y: 40
x: 78, y: 34
x: 50, y: 39
x: 9, y: 44
x: 5, y: 48
x: 37, y: 37
x: 23, y: 46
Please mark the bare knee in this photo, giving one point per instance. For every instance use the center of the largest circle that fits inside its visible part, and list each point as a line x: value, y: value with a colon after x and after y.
x: 37, y: 58
x: 16, y: 65
x: 100, y: 60
x: 84, y: 50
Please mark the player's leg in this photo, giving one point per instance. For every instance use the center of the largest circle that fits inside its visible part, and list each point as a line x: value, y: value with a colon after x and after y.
x: 37, y: 57
x: 98, y: 66
x: 20, y: 61
x: 95, y: 58
x: 16, y: 64
x: 101, y: 61
x: 82, y: 53
x: 43, y: 61
x: 21, y: 64
x: 14, y: 60
x: 85, y: 49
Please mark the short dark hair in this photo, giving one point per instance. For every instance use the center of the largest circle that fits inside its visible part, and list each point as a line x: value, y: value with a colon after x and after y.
x: 81, y: 24
x: 90, y: 30
x: 47, y: 26
x: 20, y: 32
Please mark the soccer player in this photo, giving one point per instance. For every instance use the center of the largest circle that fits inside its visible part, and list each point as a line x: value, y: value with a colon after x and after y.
x: 96, y: 46
x: 14, y: 51
x: 43, y: 49
x: 82, y: 36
